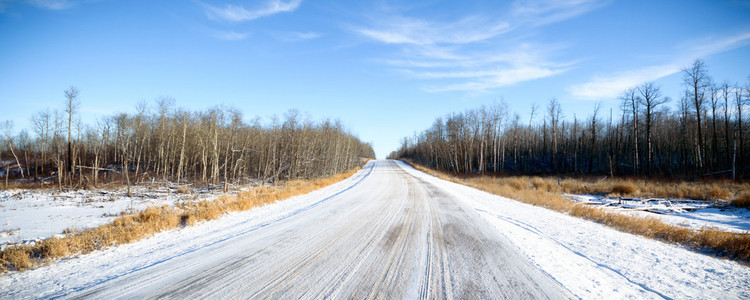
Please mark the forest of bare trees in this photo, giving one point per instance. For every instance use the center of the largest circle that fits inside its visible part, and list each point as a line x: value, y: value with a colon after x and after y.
x: 705, y: 136
x: 167, y: 143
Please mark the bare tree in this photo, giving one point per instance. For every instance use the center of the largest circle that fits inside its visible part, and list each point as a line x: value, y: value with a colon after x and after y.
x: 124, y: 137
x: 714, y: 96
x: 9, y: 140
x: 631, y: 104
x: 41, y: 122
x: 739, y: 101
x: 71, y: 106
x: 555, y: 112
x: 597, y: 106
x: 650, y: 98
x: 725, y: 94
x: 697, y: 81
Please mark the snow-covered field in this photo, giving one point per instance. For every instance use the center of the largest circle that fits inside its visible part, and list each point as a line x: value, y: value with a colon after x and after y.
x: 29, y: 215
x: 693, y: 214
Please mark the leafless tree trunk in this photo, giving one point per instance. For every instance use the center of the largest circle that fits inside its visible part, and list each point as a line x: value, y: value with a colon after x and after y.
x: 593, y: 137
x: 725, y: 90
x: 697, y: 80
x: 631, y: 103
x: 71, y: 106
x: 650, y: 97
x: 9, y: 141
x: 714, y: 93
x: 554, y: 110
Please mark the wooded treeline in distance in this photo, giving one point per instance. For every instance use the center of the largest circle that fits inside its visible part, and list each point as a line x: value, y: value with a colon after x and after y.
x: 705, y: 134
x: 169, y: 143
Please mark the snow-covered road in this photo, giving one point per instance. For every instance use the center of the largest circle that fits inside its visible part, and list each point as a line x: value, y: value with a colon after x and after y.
x: 389, y: 232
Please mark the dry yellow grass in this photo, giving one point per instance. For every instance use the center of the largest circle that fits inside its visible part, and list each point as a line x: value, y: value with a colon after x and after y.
x: 726, y: 190
x: 132, y: 227
x: 546, y: 193
x: 743, y: 200
x: 624, y: 188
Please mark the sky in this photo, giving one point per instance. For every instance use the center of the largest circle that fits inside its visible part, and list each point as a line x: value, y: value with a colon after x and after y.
x: 385, y: 69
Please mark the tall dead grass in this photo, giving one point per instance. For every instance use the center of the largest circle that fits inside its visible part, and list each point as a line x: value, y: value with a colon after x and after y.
x: 546, y: 193
x: 743, y: 200
x: 132, y: 227
x: 721, y: 190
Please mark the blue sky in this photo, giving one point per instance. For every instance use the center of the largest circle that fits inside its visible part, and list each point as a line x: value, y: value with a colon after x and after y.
x: 386, y: 69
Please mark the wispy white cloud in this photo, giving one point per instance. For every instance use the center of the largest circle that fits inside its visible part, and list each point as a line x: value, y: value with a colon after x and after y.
x: 225, y: 35
x: 51, y: 4
x: 482, y: 81
x: 230, y: 35
x: 403, y: 30
x: 612, y: 86
x: 235, y: 13
x: 477, y: 52
x: 542, y: 12
x: 297, y: 36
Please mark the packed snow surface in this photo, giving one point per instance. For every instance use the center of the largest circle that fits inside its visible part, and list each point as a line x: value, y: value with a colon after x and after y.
x: 389, y: 231
x: 693, y: 214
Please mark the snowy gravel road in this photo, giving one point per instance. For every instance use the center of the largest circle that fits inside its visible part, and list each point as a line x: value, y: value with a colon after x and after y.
x: 389, y: 232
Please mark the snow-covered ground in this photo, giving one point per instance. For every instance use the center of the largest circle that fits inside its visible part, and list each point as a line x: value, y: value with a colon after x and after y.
x: 29, y: 215
x: 694, y: 214
x: 329, y: 242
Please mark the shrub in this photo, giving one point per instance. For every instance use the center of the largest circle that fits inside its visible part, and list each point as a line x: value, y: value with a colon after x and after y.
x: 14, y: 258
x: 742, y: 201
x: 516, y: 183
x: 624, y: 188
x: 720, y: 193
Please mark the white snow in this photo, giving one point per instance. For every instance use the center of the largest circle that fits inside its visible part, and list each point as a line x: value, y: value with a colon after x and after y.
x: 30, y: 215
x: 588, y: 259
x: 693, y: 214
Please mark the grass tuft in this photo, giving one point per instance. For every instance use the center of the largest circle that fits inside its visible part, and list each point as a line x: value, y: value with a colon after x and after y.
x: 742, y: 201
x: 625, y: 188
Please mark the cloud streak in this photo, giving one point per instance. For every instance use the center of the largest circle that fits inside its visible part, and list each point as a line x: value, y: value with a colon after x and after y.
x: 229, y: 35
x: 543, y: 12
x: 474, y: 53
x: 51, y: 4
x: 483, y: 81
x: 612, y: 86
x: 236, y: 13
x: 402, y: 30
x: 297, y: 36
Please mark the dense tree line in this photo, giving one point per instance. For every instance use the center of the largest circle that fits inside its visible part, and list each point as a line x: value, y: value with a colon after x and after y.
x: 165, y: 142
x: 704, y: 136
